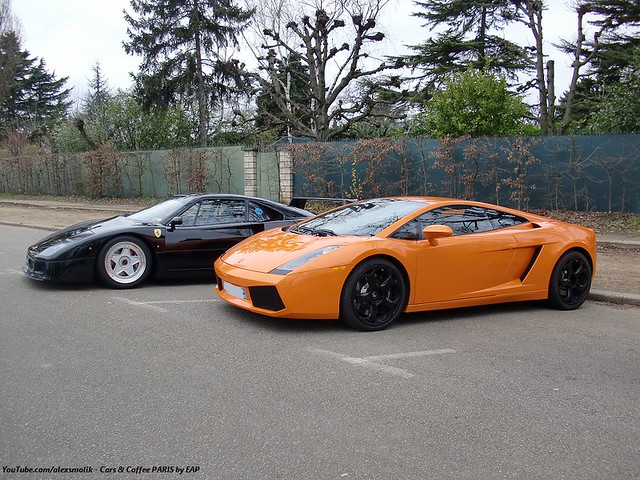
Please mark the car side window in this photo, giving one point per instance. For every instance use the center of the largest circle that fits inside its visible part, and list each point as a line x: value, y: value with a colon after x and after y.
x: 409, y: 231
x: 263, y: 213
x: 214, y: 211
x: 189, y: 215
x: 462, y: 219
x: 221, y: 211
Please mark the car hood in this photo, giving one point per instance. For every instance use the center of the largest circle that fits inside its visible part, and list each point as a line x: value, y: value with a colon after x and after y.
x: 269, y: 250
x: 82, y: 231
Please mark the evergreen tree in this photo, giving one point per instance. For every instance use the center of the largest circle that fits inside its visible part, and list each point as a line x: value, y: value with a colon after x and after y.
x: 94, y: 102
x: 182, y: 44
x: 618, y: 111
x: 9, y: 58
x: 467, y: 36
x: 92, y: 123
x: 608, y: 58
x: 34, y: 96
x: 9, y: 48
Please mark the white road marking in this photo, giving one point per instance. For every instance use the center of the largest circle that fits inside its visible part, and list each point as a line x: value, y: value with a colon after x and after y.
x: 140, y: 304
x: 372, y: 362
x: 209, y: 300
x: 423, y: 353
x: 152, y: 304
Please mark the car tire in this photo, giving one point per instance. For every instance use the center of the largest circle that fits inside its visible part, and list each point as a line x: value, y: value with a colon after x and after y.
x: 124, y: 262
x: 374, y: 295
x: 570, y: 281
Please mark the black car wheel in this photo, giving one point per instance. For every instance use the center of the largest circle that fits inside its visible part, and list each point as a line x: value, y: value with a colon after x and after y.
x: 373, y: 296
x: 570, y: 281
x: 124, y: 262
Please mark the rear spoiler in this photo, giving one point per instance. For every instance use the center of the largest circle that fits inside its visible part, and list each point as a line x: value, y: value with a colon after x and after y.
x: 301, y: 202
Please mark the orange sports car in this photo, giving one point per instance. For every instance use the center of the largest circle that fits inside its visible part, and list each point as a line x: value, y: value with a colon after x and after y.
x: 367, y: 262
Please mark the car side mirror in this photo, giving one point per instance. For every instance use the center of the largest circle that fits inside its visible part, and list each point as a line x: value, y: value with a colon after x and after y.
x: 434, y: 232
x: 174, y: 221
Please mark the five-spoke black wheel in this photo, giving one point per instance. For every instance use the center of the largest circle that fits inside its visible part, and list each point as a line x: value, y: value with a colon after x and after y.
x: 570, y: 281
x: 373, y: 296
x: 124, y: 262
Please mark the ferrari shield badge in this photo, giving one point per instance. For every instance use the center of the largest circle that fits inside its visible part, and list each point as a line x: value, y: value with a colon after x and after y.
x: 157, y: 232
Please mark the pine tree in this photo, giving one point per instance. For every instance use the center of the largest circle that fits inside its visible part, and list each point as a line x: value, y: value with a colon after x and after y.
x: 94, y: 110
x: 9, y: 48
x: 604, y: 64
x: 182, y: 45
x: 94, y: 102
x: 34, y: 96
x: 466, y: 38
x: 9, y: 58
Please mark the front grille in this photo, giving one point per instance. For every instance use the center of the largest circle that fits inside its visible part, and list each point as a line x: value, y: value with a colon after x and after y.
x: 34, y: 265
x: 266, y: 297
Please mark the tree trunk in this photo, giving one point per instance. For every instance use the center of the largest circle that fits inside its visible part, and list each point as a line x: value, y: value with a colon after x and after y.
x: 532, y: 11
x: 200, y: 90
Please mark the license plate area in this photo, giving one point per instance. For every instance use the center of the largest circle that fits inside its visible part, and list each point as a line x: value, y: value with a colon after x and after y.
x: 235, y: 291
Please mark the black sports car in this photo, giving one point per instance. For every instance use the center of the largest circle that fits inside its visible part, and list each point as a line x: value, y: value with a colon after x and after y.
x: 179, y: 237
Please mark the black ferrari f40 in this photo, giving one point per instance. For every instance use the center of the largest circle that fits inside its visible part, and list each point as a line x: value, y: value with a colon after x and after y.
x: 180, y: 237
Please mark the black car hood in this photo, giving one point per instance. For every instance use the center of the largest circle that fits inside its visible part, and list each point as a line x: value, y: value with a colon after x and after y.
x: 83, y: 231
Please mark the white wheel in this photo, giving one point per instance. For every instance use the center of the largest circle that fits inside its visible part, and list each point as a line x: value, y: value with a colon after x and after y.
x: 124, y: 262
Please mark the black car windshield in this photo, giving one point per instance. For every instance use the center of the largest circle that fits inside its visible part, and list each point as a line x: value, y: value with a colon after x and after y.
x: 359, y: 219
x: 160, y: 213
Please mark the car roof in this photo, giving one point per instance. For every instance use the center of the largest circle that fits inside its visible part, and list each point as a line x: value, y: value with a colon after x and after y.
x: 237, y: 196
x: 436, y: 201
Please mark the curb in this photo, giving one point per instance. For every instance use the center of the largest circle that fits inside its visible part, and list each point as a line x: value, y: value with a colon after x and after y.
x: 73, y: 206
x: 26, y: 225
x: 615, y: 297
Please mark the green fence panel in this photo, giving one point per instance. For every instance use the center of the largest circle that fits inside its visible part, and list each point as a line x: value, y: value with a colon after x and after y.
x: 571, y: 172
x: 268, y: 174
x: 104, y: 173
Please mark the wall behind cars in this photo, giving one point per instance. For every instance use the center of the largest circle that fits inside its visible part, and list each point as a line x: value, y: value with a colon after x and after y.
x: 599, y: 173
x: 558, y: 173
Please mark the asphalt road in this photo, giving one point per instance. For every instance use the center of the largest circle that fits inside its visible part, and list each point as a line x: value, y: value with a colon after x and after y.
x: 167, y: 375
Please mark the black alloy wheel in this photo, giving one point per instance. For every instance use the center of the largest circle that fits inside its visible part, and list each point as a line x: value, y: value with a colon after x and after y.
x: 570, y: 281
x: 373, y: 296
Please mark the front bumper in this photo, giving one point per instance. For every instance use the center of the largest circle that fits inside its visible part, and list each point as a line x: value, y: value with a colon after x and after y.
x: 74, y: 270
x: 308, y: 295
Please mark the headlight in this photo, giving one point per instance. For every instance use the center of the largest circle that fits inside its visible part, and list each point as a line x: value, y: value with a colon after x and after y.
x: 52, y: 250
x: 298, y: 262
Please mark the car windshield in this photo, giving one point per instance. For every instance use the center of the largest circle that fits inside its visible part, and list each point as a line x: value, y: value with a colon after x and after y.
x: 359, y: 219
x: 160, y: 213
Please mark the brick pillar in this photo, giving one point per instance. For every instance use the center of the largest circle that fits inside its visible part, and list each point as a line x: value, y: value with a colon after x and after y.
x: 251, y: 173
x: 285, y: 164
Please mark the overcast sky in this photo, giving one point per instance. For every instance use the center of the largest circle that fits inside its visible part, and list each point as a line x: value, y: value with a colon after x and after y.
x: 72, y: 35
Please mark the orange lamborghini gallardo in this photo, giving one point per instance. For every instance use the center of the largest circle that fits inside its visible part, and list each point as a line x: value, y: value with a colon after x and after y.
x: 367, y: 262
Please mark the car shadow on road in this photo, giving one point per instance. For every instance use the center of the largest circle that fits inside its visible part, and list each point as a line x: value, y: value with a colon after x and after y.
x: 405, y: 322
x: 97, y: 285
x: 465, y: 313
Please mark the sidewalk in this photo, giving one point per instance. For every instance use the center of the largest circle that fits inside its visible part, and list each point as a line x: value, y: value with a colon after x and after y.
x: 57, y: 205
x: 40, y: 214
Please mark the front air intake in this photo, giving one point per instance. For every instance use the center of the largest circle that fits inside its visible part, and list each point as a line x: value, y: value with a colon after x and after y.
x: 266, y: 297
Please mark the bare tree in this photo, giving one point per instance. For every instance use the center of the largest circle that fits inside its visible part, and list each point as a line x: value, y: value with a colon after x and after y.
x: 532, y: 12
x: 332, y: 46
x: 582, y: 56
